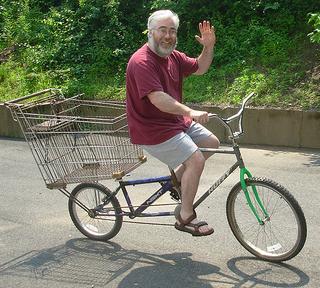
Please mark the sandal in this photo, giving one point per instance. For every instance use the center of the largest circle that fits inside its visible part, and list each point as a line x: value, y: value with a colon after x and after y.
x: 192, y: 228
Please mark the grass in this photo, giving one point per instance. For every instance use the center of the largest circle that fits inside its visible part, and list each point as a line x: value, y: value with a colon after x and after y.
x: 285, y: 86
x: 15, y: 81
x: 289, y: 84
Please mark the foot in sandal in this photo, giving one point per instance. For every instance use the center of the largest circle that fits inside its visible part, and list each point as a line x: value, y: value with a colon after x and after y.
x: 193, y: 226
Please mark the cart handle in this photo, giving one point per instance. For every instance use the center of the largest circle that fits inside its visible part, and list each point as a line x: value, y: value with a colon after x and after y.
x: 17, y: 100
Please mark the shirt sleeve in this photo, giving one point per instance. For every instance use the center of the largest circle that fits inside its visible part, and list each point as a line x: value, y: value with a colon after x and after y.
x: 188, y: 65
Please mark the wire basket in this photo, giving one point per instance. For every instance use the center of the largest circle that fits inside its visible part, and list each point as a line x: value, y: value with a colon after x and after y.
x: 75, y: 140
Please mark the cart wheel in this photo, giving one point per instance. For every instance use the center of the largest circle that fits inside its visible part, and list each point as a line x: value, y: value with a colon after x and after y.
x: 97, y: 222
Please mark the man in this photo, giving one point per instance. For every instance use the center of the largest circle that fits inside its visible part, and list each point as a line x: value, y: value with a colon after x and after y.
x: 157, y: 119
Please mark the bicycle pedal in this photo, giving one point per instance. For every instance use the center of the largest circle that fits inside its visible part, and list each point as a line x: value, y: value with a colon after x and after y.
x: 175, y: 195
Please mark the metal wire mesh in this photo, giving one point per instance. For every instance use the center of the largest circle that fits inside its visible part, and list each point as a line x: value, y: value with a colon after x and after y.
x: 75, y: 140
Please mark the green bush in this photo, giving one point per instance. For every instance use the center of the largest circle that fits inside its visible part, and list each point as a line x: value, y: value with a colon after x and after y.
x: 315, y: 21
x: 83, y: 46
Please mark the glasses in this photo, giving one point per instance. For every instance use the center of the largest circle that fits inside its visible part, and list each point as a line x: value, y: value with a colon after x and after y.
x: 164, y: 31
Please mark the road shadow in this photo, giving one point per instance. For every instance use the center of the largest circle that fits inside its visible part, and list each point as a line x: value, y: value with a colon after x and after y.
x: 98, y: 264
x: 266, y: 274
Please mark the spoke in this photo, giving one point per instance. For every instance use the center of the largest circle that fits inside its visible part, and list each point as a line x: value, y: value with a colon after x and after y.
x: 92, y: 198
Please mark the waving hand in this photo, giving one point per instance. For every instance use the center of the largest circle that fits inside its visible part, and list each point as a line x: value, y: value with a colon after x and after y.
x: 208, y: 37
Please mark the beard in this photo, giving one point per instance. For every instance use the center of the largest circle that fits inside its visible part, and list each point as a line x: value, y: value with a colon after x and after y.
x: 160, y: 50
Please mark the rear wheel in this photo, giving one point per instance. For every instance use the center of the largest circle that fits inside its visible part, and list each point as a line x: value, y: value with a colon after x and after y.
x: 282, y: 235
x: 99, y: 220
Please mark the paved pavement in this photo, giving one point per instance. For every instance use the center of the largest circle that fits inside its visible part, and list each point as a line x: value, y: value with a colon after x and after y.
x: 40, y: 247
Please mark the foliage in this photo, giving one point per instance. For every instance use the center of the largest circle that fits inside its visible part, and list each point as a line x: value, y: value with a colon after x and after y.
x: 315, y: 20
x: 84, y: 45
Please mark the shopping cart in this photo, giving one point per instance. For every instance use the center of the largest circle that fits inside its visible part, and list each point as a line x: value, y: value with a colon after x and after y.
x: 74, y: 140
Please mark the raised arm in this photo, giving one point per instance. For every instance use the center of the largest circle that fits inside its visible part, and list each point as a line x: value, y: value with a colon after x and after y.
x: 207, y: 40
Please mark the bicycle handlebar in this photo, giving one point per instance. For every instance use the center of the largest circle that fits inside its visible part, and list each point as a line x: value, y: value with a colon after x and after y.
x: 239, y: 115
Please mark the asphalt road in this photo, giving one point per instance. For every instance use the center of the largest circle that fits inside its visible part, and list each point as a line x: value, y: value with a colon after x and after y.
x: 40, y: 247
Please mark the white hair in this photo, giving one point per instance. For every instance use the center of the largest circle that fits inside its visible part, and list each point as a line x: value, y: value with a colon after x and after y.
x: 162, y: 14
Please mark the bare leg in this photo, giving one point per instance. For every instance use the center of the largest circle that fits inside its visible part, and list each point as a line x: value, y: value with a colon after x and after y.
x: 193, y: 168
x: 189, y: 174
x: 190, y: 181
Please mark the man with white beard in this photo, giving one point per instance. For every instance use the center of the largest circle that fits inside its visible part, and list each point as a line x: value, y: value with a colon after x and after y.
x: 157, y: 119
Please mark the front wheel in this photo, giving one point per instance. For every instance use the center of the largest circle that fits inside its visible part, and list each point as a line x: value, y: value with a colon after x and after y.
x: 95, y: 217
x: 282, y: 235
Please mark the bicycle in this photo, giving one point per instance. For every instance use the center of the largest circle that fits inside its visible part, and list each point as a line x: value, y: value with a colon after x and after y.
x: 263, y: 216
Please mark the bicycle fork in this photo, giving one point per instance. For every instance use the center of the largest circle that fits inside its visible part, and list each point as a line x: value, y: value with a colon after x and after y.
x: 244, y: 172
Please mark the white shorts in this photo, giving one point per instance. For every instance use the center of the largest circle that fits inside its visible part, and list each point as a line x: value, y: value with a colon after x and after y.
x: 179, y: 148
